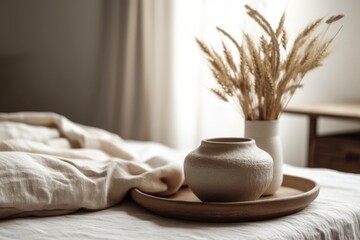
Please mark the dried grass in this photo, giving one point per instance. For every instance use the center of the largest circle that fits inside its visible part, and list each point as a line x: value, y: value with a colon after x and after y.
x: 261, y: 80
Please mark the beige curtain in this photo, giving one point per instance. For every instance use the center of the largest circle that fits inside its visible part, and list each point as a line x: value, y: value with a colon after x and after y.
x: 135, y: 91
x: 155, y: 81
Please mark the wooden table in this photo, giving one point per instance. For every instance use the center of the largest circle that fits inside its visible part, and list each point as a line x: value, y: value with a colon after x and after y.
x: 338, y: 151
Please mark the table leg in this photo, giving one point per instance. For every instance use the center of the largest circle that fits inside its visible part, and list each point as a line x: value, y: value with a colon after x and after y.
x: 312, y: 140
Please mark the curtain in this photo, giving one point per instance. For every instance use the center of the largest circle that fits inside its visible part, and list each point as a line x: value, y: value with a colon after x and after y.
x: 135, y: 89
x: 155, y: 81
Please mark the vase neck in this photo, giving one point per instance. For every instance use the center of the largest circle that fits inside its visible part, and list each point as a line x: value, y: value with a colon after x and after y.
x: 255, y: 129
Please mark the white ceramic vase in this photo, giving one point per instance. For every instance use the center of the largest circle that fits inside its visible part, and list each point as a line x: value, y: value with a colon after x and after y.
x: 266, y: 136
x: 228, y: 170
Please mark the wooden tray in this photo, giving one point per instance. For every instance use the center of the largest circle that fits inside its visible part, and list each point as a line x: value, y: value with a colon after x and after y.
x: 294, y: 195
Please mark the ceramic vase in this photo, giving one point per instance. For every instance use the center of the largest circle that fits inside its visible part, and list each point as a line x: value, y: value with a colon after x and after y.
x: 228, y: 170
x: 266, y: 136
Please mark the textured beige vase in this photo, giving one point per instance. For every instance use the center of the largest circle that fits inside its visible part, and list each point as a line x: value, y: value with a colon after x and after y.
x: 228, y: 169
x: 266, y: 135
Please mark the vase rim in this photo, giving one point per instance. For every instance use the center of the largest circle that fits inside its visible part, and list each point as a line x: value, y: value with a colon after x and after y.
x: 229, y: 140
x: 274, y: 120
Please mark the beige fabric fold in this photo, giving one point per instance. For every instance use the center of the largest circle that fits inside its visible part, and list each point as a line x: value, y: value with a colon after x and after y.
x: 50, y: 166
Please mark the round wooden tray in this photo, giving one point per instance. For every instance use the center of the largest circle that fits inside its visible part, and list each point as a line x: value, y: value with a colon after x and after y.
x: 294, y: 195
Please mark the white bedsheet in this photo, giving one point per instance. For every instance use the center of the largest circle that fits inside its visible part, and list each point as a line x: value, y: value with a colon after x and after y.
x: 335, y: 214
x: 50, y: 165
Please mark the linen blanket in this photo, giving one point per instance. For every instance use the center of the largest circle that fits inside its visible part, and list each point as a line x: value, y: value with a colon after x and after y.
x: 52, y: 166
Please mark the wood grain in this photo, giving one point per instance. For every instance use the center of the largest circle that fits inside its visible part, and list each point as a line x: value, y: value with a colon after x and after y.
x: 294, y: 195
x: 346, y: 109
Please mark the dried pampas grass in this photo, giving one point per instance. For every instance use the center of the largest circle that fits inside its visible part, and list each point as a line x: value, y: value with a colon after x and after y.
x: 259, y: 78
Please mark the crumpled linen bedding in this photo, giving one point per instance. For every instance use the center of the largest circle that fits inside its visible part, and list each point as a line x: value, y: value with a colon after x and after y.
x: 52, y: 166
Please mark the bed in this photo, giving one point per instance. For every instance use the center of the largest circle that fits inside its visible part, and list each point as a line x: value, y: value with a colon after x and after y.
x: 98, y: 207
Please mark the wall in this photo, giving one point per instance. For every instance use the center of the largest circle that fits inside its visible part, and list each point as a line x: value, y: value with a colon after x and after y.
x: 49, y: 53
x: 336, y: 80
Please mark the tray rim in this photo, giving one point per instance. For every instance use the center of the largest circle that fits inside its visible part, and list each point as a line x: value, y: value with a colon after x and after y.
x: 310, y: 195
